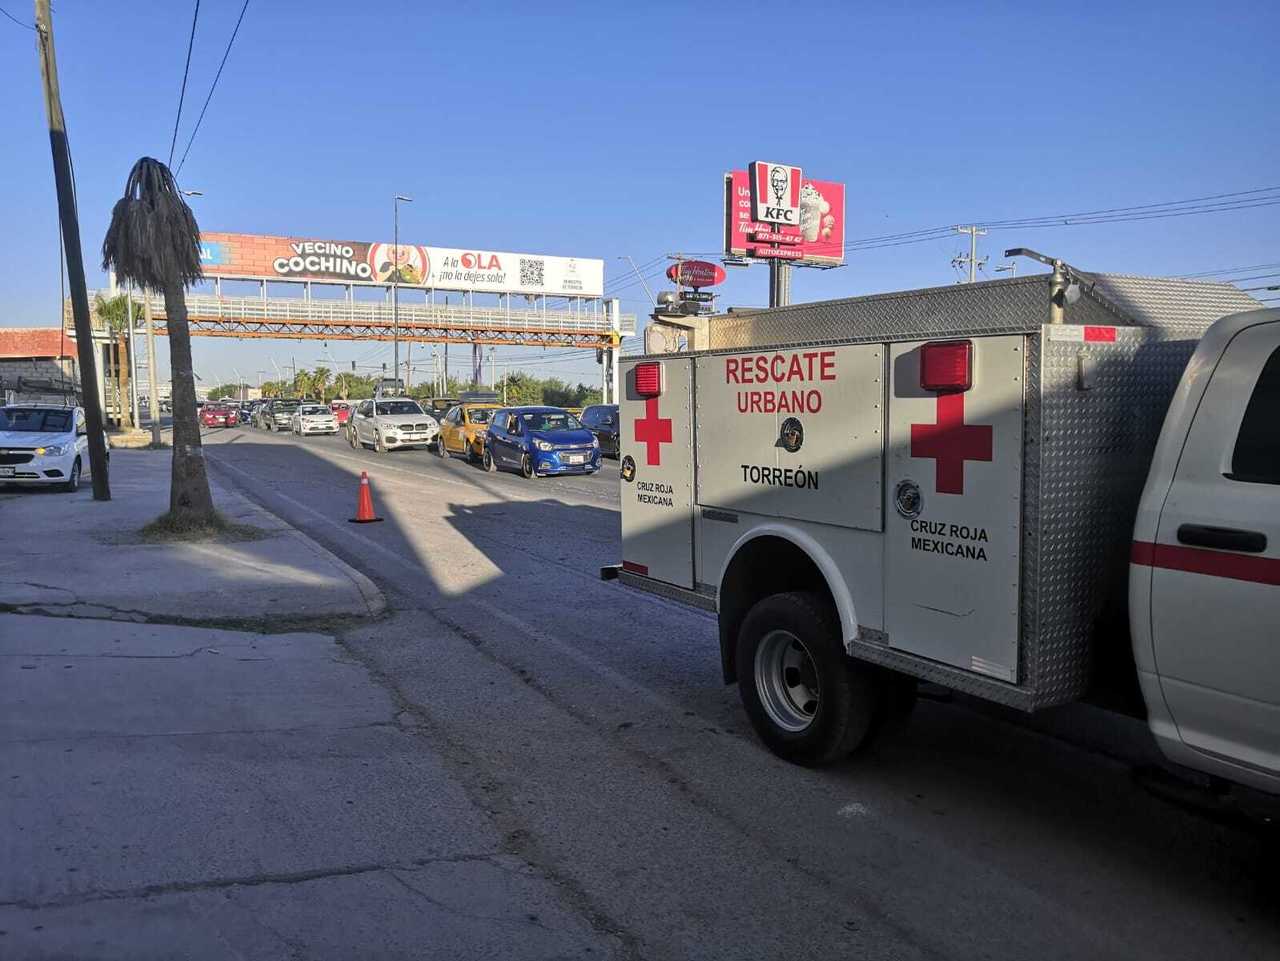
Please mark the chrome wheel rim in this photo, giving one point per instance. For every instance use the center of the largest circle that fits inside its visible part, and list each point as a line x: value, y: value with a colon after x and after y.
x: 787, y: 681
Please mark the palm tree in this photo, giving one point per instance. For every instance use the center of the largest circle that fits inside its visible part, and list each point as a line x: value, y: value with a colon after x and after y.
x: 320, y: 382
x: 114, y: 313
x: 153, y: 241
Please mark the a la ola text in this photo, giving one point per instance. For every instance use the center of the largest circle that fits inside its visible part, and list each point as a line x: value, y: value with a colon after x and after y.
x: 773, y: 371
x: 650, y: 492
x: 953, y: 540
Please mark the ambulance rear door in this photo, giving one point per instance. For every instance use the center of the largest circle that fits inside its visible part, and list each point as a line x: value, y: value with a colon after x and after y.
x: 953, y: 502
x: 655, y: 451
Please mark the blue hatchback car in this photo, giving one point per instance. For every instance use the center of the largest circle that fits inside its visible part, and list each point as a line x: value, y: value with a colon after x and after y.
x: 538, y: 441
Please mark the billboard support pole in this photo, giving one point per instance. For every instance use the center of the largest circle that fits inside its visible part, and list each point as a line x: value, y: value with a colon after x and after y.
x: 779, y: 283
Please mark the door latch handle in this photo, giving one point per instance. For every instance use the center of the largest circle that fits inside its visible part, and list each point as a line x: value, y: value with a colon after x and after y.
x: 1223, y: 538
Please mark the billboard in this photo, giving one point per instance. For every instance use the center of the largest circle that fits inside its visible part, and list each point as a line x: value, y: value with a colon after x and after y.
x: 446, y: 268
x: 818, y: 238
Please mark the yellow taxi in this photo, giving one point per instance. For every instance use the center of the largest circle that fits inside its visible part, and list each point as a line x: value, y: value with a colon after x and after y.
x: 462, y: 430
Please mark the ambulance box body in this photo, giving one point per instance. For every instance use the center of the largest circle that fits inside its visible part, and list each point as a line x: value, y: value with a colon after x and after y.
x: 961, y: 474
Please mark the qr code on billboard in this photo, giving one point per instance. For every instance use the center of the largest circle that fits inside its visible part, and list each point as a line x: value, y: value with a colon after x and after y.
x: 532, y: 273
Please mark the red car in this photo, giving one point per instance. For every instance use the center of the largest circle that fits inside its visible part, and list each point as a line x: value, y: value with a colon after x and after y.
x: 213, y: 415
x: 341, y: 410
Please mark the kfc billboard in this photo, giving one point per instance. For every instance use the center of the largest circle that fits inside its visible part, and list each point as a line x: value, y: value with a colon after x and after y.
x: 818, y: 236
x: 336, y: 261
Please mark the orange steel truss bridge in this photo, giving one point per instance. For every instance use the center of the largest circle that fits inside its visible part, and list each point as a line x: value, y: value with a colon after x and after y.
x: 582, y: 322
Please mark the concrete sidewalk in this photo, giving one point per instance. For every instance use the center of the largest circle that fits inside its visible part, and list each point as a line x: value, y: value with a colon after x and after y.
x: 179, y: 792
x: 66, y: 554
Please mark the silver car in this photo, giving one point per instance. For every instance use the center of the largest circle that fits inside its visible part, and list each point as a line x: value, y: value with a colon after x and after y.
x: 390, y: 424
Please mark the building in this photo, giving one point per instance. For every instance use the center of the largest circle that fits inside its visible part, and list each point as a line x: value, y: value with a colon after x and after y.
x: 38, y: 365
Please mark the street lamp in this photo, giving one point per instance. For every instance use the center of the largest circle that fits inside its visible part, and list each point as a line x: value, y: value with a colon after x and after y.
x: 193, y: 193
x: 395, y: 288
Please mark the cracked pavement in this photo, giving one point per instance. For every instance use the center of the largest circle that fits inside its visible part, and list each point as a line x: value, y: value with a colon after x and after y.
x: 521, y: 761
x: 240, y: 795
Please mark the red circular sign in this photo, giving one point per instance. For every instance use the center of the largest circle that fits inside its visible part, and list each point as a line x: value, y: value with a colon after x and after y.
x: 695, y: 273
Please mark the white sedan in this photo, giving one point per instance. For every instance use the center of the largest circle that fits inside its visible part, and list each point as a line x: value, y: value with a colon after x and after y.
x: 314, y: 419
x: 43, y: 445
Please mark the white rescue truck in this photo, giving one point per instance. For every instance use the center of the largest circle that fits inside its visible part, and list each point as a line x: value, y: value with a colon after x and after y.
x: 1034, y: 491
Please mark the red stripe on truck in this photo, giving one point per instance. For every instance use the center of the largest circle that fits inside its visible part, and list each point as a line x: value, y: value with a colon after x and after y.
x: 1198, y: 560
x: 1100, y: 334
x: 635, y: 568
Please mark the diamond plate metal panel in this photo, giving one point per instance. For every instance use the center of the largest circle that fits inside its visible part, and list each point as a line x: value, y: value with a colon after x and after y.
x: 1019, y: 305
x: 1161, y: 301
x: 1094, y: 449
x: 997, y: 307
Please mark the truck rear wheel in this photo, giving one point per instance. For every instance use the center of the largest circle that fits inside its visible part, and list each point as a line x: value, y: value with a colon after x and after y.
x: 808, y: 702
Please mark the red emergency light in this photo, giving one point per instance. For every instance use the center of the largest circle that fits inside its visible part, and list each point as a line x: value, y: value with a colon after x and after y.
x: 649, y: 379
x: 947, y: 366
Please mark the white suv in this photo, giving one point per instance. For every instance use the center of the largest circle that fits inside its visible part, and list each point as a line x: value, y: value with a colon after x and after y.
x: 43, y: 445
x: 390, y: 423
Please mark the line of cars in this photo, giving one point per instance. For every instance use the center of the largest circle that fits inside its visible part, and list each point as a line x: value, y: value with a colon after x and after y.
x: 534, y: 441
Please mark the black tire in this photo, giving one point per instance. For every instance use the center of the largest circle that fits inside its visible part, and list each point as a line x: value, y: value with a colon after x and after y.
x: 489, y: 463
x: 838, y: 705
x: 526, y: 467
x: 72, y: 483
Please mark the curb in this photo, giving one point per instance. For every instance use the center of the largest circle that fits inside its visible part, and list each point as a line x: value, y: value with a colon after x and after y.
x: 375, y: 601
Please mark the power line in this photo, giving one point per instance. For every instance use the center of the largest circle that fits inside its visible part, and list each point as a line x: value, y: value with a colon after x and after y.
x: 182, y: 95
x: 1230, y: 270
x: 214, y: 86
x: 29, y: 26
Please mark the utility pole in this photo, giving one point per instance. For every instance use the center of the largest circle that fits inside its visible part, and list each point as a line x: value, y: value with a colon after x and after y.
x: 408, y: 365
x: 153, y: 400
x: 395, y: 283
x: 1011, y: 268
x: 972, y: 260
x: 493, y: 369
x: 70, y: 222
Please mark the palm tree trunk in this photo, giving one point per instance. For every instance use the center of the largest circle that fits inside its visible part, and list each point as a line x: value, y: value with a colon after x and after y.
x: 126, y: 403
x: 113, y: 386
x: 189, y: 496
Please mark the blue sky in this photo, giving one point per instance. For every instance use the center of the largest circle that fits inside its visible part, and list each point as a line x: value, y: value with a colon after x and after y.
x: 602, y: 129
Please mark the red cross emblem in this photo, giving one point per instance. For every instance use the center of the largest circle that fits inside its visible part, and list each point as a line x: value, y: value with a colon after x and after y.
x: 951, y: 442
x: 653, y: 431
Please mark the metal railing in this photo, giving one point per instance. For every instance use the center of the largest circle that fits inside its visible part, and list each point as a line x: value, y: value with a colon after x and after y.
x: 460, y: 317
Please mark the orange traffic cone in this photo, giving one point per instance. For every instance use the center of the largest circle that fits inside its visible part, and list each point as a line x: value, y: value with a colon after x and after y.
x: 364, y: 504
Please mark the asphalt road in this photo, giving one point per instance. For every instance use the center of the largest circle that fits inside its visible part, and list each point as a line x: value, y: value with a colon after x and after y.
x: 589, y: 724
